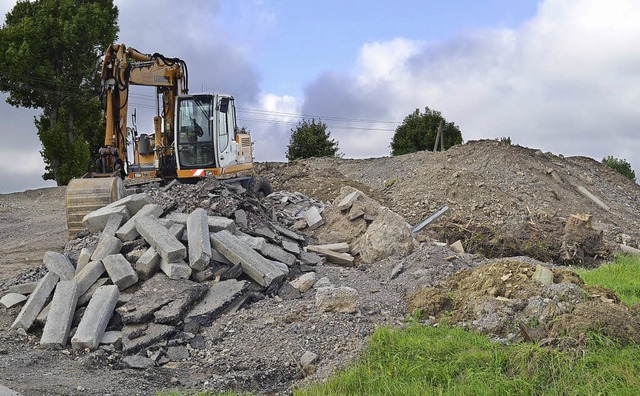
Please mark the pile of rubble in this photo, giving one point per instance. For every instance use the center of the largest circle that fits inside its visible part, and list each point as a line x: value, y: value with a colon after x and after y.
x: 153, y: 268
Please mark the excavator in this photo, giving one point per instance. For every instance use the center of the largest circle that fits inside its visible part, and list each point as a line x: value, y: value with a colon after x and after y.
x: 195, y: 135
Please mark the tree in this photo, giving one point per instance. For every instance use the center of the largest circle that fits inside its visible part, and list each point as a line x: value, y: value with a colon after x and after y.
x: 48, y: 56
x: 311, y: 139
x: 621, y: 166
x: 418, y: 132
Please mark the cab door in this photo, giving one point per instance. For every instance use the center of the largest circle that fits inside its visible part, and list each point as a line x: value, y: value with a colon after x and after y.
x: 226, y: 129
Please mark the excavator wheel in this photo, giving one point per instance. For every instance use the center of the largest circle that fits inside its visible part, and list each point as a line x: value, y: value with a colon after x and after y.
x: 259, y: 187
x: 87, y: 195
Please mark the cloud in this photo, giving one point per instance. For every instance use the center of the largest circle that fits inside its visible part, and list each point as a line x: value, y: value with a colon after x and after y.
x: 564, y: 81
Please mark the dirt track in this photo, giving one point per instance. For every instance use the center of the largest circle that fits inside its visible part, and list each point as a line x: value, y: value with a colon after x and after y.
x: 487, y: 183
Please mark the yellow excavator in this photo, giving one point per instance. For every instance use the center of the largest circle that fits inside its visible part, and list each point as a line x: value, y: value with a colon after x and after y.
x: 195, y: 135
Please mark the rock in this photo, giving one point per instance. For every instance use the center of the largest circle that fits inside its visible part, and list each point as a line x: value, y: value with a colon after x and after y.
x: 177, y: 353
x: 348, y: 200
x: 138, y: 362
x: 388, y: 235
x: 313, y: 218
x: 308, y: 361
x: 304, y: 282
x: 288, y: 292
x: 543, y: 275
x: 338, y: 299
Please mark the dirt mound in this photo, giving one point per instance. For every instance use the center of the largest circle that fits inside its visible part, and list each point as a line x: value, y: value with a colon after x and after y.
x: 502, y: 190
x: 503, y: 298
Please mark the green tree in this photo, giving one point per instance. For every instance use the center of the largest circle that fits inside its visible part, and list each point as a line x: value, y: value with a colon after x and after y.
x: 418, y: 132
x: 48, y: 55
x: 311, y: 139
x: 621, y: 166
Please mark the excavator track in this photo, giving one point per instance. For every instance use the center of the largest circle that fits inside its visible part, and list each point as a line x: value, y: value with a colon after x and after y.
x: 87, y: 195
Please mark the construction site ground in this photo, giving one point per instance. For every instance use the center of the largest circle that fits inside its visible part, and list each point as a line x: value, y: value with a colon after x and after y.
x: 504, y: 201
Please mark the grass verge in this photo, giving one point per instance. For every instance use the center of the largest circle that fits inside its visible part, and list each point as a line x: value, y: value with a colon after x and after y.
x: 423, y: 360
x: 622, y: 276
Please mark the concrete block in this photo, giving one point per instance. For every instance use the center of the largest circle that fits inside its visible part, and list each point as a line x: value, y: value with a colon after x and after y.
x: 128, y: 231
x: 276, y: 253
x: 253, y: 264
x: 134, y: 203
x: 310, y: 258
x: 86, y: 296
x: 220, y: 297
x: 256, y: 243
x: 341, y: 247
x: 217, y: 256
x: 96, y: 221
x: 148, y: 264
x: 167, y: 245
x: 287, y: 232
x: 215, y: 223
x: 348, y: 200
x: 305, y: 282
x: 59, y: 264
x: 178, y: 230
x: 592, y: 197
x: 199, y: 242
x: 120, y: 271
x: 23, y: 288
x: 63, y: 305
x: 114, y: 222
x: 83, y: 259
x: 176, y: 269
x: 107, y: 245
x: 334, y: 257
x: 96, y: 317
x: 281, y: 266
x: 11, y: 299
x: 290, y: 246
x: 88, y: 276
x: 313, y: 218
x: 110, y: 337
x: 36, y: 301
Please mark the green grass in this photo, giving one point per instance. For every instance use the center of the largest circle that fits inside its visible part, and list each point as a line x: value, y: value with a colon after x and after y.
x: 423, y: 360
x: 621, y: 276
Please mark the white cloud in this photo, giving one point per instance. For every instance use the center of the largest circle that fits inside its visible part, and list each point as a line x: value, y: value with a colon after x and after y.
x: 565, y: 81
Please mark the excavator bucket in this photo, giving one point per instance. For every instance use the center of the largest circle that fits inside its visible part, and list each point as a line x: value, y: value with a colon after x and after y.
x: 87, y: 195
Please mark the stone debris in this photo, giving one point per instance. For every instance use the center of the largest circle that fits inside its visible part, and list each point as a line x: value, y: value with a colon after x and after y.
x: 189, y: 255
x: 11, y: 299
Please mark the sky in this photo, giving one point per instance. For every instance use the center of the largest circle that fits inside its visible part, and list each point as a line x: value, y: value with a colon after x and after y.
x: 562, y: 76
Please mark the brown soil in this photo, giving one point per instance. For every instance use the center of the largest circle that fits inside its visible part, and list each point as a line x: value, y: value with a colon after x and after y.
x: 504, y: 201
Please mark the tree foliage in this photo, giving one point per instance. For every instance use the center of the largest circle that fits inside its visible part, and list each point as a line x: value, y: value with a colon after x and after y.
x: 621, y: 166
x: 418, y: 132
x: 311, y: 139
x: 48, y: 55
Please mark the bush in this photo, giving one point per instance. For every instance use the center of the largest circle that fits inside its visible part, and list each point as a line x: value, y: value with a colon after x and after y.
x: 621, y: 166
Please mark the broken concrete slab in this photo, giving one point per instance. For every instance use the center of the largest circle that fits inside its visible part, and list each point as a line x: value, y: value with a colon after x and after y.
x: 288, y: 292
x: 287, y: 232
x: 128, y: 231
x: 12, y: 299
x: 138, y: 362
x: 281, y: 266
x: 313, y: 218
x: 178, y: 230
x: 348, y: 200
x: 337, y: 299
x: 176, y: 269
x: 134, y: 203
x: 253, y: 264
x: 23, y: 288
x: 255, y: 243
x: 86, y: 296
x: 88, y: 276
x: 107, y: 245
x: 59, y: 264
x: 263, y: 232
x: 276, y: 253
x: 120, y: 271
x: 114, y: 222
x: 310, y: 258
x: 215, y: 223
x: 218, y: 299
x: 341, y: 247
x: 96, y: 317
x: 96, y: 221
x: 36, y: 301
x: 135, y: 337
x: 148, y: 264
x: 63, y: 305
x: 83, y: 259
x: 543, y: 275
x: 592, y: 197
x: 305, y: 281
x: 355, y: 213
x: 199, y: 242
x: 166, y: 244
x: 290, y: 246
x: 162, y: 299
x: 111, y: 337
x: 337, y: 258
